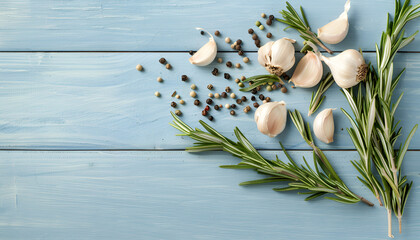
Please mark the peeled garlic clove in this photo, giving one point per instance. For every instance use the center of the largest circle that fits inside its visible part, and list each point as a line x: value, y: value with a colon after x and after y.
x: 271, y: 118
x: 324, y: 126
x: 206, y: 54
x: 348, y: 68
x: 309, y: 71
x: 277, y: 57
x: 335, y: 31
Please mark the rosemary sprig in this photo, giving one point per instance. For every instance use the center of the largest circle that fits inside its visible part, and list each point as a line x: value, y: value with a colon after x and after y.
x: 318, y: 97
x: 374, y: 130
x: 300, y: 24
x: 259, y: 80
x: 316, y: 182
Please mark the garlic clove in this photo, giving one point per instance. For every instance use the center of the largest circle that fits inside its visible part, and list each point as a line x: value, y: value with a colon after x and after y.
x: 336, y: 30
x: 308, y: 72
x: 348, y: 68
x: 277, y: 57
x: 264, y: 54
x: 271, y: 118
x: 324, y: 126
x: 206, y: 54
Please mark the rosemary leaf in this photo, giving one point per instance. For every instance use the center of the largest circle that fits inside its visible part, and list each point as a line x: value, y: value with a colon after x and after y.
x: 318, y: 97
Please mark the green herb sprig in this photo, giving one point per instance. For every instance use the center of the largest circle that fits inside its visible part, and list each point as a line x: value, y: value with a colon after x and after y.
x: 300, y: 24
x: 315, y: 182
x: 318, y: 97
x: 259, y: 80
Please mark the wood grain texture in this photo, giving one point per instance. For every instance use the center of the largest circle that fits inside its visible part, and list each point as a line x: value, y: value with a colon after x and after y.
x: 106, y: 25
x: 176, y: 195
x: 100, y: 101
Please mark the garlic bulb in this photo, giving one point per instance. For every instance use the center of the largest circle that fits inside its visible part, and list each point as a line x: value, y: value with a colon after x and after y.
x: 324, y: 126
x: 348, y: 68
x: 335, y: 31
x: 277, y: 57
x: 206, y: 54
x: 271, y: 118
x: 309, y: 71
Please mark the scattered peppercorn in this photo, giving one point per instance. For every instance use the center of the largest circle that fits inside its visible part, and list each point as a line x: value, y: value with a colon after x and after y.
x: 284, y: 90
x: 233, y: 106
x: 286, y: 77
x: 246, y: 59
x: 139, y: 67
x: 204, y: 112
x: 268, y: 99
x: 241, y: 84
x: 229, y: 64
x: 237, y: 80
x: 157, y: 94
x: 269, y: 88
x: 257, y: 42
x: 257, y: 23
x: 227, y: 106
x: 168, y: 66
x: 243, y: 78
x: 216, y: 107
x: 193, y: 86
x: 227, y: 76
x: 191, y: 52
x: 210, y: 87
x: 254, y: 91
x: 209, y: 101
x: 253, y: 98
x: 216, y: 95
x: 250, y: 31
x: 271, y: 17
x: 193, y: 94
x: 177, y: 96
x: 227, y: 89
x: 196, y: 102
x: 247, y: 109
x: 244, y: 99
x: 232, y: 95
x: 223, y: 94
x: 227, y: 40
x: 233, y: 46
x: 240, y: 53
x: 259, y: 88
x: 178, y: 112
x: 238, y: 65
x: 269, y: 22
x: 239, y: 41
x: 173, y: 104
x: 232, y: 112
x: 254, y: 36
x: 184, y: 78
x: 162, y: 60
x: 207, y: 108
x: 256, y: 105
x: 217, y: 33
x: 159, y: 79
x: 269, y: 35
x: 263, y: 15
x: 274, y: 87
x: 238, y: 101
x: 202, y: 32
x: 261, y: 27
x: 211, y: 118
x: 181, y: 101
x: 261, y: 97
x: 220, y: 60
x: 215, y: 72
x: 220, y: 105
x: 211, y: 95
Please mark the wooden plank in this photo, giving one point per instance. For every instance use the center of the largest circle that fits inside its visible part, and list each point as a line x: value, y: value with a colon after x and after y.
x: 176, y: 195
x: 100, y: 101
x: 169, y: 25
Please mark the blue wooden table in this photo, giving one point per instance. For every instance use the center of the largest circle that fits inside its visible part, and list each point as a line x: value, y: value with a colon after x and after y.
x: 87, y: 152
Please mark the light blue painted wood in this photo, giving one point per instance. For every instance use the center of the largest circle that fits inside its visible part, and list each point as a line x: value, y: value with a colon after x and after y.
x: 100, y: 101
x: 176, y: 195
x: 169, y: 25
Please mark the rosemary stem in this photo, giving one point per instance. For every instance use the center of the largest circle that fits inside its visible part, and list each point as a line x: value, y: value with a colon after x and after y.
x: 319, y: 42
x: 364, y: 200
x: 390, y: 224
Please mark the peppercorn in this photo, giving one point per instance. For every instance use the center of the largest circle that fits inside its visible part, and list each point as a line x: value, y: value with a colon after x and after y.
x: 261, y: 27
x: 237, y: 80
x: 207, y: 108
x: 269, y: 35
x: 159, y: 79
x: 239, y: 41
x: 238, y: 101
x: 139, y: 67
x: 227, y: 106
x: 256, y: 105
x: 233, y: 46
x: 250, y: 31
x: 177, y: 96
x: 254, y: 36
x: 250, y: 83
x: 229, y: 64
x: 178, y: 112
x: 217, y: 33
x: 209, y: 101
x: 223, y: 94
x: 184, y: 78
x: 193, y: 86
x: 191, y: 52
x: 269, y: 22
x: 286, y: 77
x: 243, y: 98
x: 274, y: 87
x: 210, y: 118
x: 268, y: 88
x: 261, y: 97
x: 162, y: 60
x: 181, y: 101
x: 263, y: 15
x: 168, y: 66
x: 193, y: 94
x: 210, y: 87
x: 240, y: 53
x: 232, y: 112
x: 271, y: 17
x: 268, y: 99
x: 284, y: 90
x: 220, y: 105
x: 257, y: 23
x: 253, y: 98
x: 157, y: 94
x: 247, y: 109
x: 227, y: 89
x: 257, y: 42
x: 204, y: 112
x: 227, y: 76
x: 259, y: 88
x: 227, y: 40
x: 220, y: 60
x: 196, y: 102
x: 216, y: 95
x: 241, y: 84
x: 216, y: 107
x: 258, y: 45
x: 173, y: 104
x: 246, y: 59
x: 233, y: 106
x: 232, y: 95
x: 215, y: 72
x: 211, y: 95
x: 238, y: 65
x: 202, y: 32
x: 254, y: 91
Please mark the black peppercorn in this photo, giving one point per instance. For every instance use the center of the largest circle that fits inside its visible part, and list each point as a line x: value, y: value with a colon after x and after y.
x: 254, y: 91
x: 210, y: 118
x: 269, y: 22
x: 257, y: 42
x: 258, y: 45
x: 269, y: 35
x: 227, y: 76
x: 259, y: 88
x: 241, y: 53
x: 239, y: 41
x: 202, y: 32
x: 223, y: 94
x: 233, y: 106
x: 261, y: 97
x: 217, y: 33
x: 215, y: 72
x: 232, y: 112
x: 196, y: 102
x: 267, y: 99
x: 284, y: 90
x: 253, y: 98
x: 274, y: 87
x: 216, y: 107
x: 250, y: 31
x: 256, y: 105
x: 238, y: 101
x: 243, y: 98
x: 209, y: 101
x: 173, y: 104
x: 227, y: 89
x: 238, y: 47
x: 191, y: 52
x: 184, y: 78
x: 204, y: 112
x: 210, y: 87
x: 162, y: 60
x: 254, y: 36
x: 271, y: 17
x: 229, y: 64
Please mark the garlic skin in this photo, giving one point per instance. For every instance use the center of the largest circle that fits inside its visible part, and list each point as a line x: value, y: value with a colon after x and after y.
x: 348, y: 68
x: 206, y: 54
x: 309, y: 70
x: 336, y: 30
x: 277, y: 57
x: 271, y: 118
x: 324, y: 126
